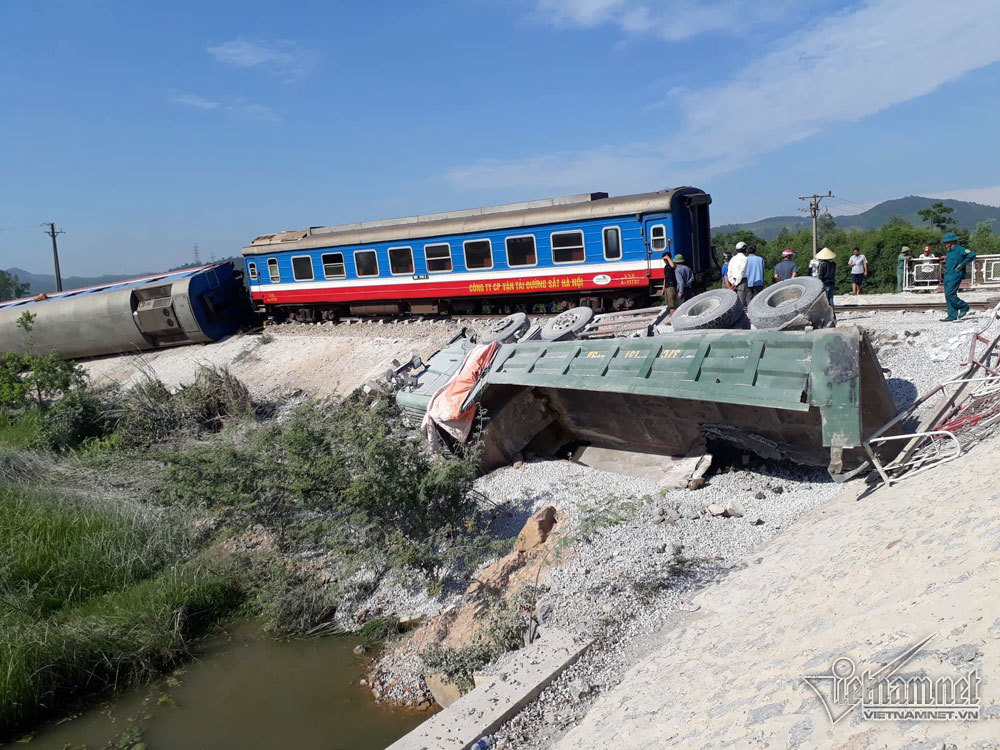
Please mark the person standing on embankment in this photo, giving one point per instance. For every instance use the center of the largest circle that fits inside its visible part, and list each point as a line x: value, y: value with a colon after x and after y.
x: 956, y: 262
x: 904, y: 255
x: 827, y: 272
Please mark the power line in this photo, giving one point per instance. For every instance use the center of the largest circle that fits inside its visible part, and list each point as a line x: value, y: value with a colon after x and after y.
x: 52, y: 232
x: 197, y: 254
x: 814, y: 201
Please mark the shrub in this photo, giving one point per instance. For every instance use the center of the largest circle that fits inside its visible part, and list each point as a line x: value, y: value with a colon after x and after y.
x: 80, y: 415
x: 504, y: 632
x: 148, y: 413
x: 344, y: 469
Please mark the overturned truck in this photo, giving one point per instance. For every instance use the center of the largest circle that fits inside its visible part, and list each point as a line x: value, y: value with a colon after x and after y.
x: 810, y: 396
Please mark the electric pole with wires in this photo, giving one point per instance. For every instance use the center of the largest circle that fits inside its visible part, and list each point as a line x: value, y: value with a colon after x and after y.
x: 52, y: 232
x: 814, y: 211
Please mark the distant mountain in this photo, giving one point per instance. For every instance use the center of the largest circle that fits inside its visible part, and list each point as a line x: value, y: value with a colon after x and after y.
x: 46, y: 282
x: 966, y: 214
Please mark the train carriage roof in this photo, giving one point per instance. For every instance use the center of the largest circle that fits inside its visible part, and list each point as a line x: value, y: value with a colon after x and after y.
x: 508, y: 216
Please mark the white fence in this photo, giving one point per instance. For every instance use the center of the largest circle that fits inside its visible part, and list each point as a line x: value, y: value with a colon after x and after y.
x: 925, y: 274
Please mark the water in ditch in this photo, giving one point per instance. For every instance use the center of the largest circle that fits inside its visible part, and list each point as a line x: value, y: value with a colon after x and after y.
x: 244, y: 691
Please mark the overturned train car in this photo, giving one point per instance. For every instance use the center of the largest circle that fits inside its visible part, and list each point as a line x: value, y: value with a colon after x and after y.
x: 196, y: 305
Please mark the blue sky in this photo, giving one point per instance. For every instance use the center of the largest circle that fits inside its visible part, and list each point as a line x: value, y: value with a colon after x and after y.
x: 143, y: 128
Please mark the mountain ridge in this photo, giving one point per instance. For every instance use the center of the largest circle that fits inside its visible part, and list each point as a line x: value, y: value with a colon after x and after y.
x: 966, y: 214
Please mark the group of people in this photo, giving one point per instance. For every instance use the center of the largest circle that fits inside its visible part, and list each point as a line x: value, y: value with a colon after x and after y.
x: 743, y: 272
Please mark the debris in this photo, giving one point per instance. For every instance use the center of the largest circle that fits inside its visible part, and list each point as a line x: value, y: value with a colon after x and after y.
x: 756, y: 521
x: 687, y: 605
x: 716, y: 510
x: 735, y: 511
x: 760, y: 496
x: 360, y: 649
x: 777, y: 490
x: 697, y: 483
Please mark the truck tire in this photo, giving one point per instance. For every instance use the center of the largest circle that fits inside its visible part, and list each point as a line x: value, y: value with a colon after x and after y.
x: 780, y: 304
x: 716, y: 308
x: 566, y: 325
x: 506, y: 330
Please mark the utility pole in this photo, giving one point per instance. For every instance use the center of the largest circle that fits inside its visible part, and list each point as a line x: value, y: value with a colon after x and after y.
x: 814, y: 211
x: 52, y: 232
x: 197, y: 254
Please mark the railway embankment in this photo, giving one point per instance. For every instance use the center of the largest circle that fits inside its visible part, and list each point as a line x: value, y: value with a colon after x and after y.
x: 137, y: 519
x: 337, y: 520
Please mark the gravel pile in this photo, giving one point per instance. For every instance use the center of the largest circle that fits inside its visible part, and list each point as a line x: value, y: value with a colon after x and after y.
x: 918, y: 349
x: 637, y: 557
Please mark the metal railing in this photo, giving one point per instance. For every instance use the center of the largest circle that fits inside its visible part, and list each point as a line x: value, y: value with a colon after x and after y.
x: 950, y: 418
x: 926, y: 274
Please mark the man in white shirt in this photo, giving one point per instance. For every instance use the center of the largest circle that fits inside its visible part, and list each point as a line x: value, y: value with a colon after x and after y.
x: 737, y: 273
x: 859, y: 270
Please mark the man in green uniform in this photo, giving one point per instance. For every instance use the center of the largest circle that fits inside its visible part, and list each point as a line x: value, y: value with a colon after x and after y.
x: 901, y: 259
x: 955, y: 262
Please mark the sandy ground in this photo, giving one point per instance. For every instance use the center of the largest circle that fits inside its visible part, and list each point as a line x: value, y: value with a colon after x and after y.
x: 863, y: 577
x: 320, y: 360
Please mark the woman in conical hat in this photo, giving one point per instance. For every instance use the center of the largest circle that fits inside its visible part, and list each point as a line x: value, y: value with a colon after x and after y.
x: 827, y: 272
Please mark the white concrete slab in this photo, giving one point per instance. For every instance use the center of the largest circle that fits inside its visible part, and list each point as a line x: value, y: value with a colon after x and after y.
x: 483, y: 710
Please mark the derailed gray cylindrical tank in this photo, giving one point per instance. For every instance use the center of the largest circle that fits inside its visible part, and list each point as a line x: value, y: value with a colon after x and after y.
x: 191, y: 306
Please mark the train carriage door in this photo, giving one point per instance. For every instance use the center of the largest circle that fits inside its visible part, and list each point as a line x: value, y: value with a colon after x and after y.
x: 657, y: 243
x: 700, y: 242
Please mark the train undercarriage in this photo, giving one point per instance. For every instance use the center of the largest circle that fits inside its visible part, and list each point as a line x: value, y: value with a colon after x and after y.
x: 538, y: 304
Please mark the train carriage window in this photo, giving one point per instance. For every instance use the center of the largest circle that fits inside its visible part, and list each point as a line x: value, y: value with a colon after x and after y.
x: 252, y: 270
x: 658, y: 238
x: 366, y: 262
x: 612, y: 243
x: 521, y: 251
x: 272, y: 270
x: 478, y: 253
x: 400, y: 260
x: 302, y: 268
x: 333, y: 266
x: 567, y: 247
x: 438, y: 258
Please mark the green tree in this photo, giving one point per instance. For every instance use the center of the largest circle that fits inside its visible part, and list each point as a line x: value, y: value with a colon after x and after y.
x: 825, y: 226
x: 982, y: 240
x: 12, y: 287
x: 938, y: 215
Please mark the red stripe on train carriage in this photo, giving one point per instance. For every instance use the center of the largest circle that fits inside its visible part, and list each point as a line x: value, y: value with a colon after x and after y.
x: 434, y: 289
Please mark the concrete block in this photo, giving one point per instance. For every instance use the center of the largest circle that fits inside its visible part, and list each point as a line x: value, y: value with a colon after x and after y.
x: 483, y: 710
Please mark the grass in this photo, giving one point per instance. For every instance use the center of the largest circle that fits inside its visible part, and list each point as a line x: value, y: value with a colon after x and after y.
x: 99, y: 594
x: 60, y: 550
x: 21, y: 432
x: 122, y: 638
x: 94, y: 596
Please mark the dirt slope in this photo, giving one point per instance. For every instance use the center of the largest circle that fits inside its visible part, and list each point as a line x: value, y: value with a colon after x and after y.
x: 320, y: 360
x: 859, y: 577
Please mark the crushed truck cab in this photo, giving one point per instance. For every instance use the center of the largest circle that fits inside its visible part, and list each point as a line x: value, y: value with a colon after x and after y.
x: 810, y: 396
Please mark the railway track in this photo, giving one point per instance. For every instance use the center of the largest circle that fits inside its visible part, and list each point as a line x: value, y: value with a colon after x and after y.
x: 915, y: 306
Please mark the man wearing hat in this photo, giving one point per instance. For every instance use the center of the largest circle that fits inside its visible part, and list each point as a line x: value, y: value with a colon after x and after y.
x: 827, y: 272
x: 904, y: 255
x: 737, y: 273
x: 683, y: 276
x: 786, y: 268
x: 956, y: 261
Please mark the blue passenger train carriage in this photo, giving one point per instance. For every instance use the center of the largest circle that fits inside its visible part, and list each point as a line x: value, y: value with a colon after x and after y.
x: 583, y: 249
